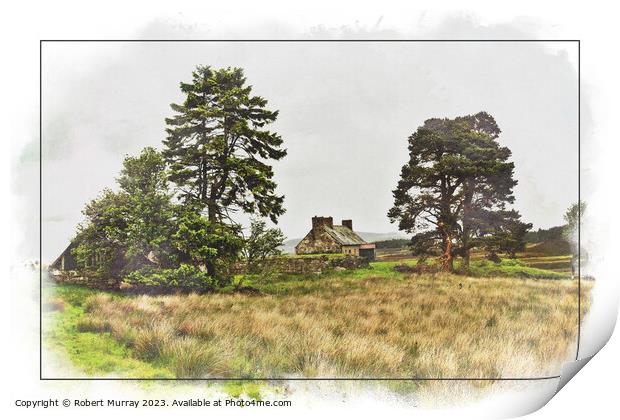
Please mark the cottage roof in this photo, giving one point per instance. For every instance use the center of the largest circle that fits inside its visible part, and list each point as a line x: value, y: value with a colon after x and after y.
x: 56, y: 263
x: 344, y: 236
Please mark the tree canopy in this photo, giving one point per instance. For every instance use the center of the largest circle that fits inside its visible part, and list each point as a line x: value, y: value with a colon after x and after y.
x: 218, y: 148
x: 128, y: 227
x: 454, y: 190
x: 139, y: 229
x: 217, y: 154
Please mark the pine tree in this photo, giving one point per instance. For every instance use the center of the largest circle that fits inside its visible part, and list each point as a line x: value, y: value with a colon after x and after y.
x: 456, y: 177
x: 218, y: 148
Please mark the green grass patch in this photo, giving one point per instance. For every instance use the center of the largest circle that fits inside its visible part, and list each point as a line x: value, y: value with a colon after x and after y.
x: 96, y: 354
x: 302, y: 284
x: 101, y: 354
x: 510, y: 268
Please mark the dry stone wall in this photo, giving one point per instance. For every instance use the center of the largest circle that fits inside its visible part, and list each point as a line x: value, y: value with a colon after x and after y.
x: 310, y: 264
x: 84, y: 279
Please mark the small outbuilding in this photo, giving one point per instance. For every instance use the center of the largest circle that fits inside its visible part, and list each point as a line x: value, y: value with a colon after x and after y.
x: 327, y: 238
x: 66, y: 261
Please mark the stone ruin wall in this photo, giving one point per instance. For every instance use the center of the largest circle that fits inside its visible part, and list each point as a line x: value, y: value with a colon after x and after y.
x: 85, y: 279
x: 309, y: 264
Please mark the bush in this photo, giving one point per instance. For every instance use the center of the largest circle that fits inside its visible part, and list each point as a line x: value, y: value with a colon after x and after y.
x: 421, y: 267
x: 187, y: 277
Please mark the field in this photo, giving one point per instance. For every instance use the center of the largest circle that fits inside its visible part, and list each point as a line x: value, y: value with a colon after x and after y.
x: 360, y: 323
x: 551, y: 256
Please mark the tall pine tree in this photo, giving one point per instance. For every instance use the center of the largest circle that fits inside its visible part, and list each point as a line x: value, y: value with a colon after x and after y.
x: 218, y: 147
x: 454, y: 190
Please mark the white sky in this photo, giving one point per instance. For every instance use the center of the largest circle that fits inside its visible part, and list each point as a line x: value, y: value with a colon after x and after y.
x: 345, y: 113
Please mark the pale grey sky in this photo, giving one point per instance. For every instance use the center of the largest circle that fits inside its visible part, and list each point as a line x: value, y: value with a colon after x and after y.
x: 346, y: 110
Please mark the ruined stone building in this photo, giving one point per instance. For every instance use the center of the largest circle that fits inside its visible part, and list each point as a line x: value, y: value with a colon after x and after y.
x: 327, y: 238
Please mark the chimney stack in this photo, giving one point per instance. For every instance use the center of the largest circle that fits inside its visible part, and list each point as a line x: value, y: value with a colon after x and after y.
x: 319, y: 222
x: 348, y: 223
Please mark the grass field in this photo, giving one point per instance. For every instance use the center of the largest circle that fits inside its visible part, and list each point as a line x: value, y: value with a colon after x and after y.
x: 360, y: 323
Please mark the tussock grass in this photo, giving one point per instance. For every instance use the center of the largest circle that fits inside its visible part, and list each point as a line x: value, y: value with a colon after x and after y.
x: 371, y: 323
x: 97, y: 346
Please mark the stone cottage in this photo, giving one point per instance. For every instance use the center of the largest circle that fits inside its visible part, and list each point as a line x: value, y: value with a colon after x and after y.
x: 327, y: 238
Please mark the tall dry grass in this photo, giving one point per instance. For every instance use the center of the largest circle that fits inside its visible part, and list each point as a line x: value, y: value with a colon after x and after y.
x: 423, y: 326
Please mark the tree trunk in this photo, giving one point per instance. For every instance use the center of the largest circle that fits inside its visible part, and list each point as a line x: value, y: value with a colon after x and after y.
x: 447, y: 260
x: 465, y: 262
x: 212, y: 216
x: 466, y: 224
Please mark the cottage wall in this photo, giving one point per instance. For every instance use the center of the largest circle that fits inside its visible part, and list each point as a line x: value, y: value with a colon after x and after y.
x: 318, y: 241
x: 351, y: 249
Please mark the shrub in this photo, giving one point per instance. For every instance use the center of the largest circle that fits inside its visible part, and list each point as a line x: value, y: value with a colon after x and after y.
x: 421, y: 267
x: 404, y: 268
x: 185, y: 277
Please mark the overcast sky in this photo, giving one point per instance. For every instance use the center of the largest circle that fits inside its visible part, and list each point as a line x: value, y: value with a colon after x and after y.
x: 346, y: 110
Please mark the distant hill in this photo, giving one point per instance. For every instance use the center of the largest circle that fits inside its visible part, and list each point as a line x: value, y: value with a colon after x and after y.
x: 550, y: 247
x: 393, y: 243
x: 289, y: 244
x: 541, y: 235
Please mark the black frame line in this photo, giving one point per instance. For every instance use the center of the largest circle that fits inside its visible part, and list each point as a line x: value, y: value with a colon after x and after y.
x: 538, y: 378
x: 578, y: 199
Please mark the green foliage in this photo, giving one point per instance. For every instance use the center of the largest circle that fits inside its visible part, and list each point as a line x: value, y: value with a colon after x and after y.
x: 131, y: 227
x: 574, y: 220
x: 151, y: 217
x: 204, y: 243
x: 262, y: 243
x: 574, y: 213
x: 217, y: 146
x: 455, y: 188
x: 186, y: 277
x: 501, y: 231
x: 102, y: 239
x: 144, y: 173
x: 217, y: 149
x: 140, y: 229
x: 542, y: 235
